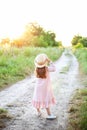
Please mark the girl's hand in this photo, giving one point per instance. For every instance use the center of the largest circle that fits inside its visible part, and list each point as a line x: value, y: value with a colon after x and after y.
x: 48, y: 60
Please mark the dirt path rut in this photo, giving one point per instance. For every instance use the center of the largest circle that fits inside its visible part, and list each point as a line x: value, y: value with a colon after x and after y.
x: 17, y: 98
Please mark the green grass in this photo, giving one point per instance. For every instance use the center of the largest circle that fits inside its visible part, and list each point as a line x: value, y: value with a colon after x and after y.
x: 81, y: 55
x: 78, y: 111
x: 2, y: 111
x: 78, y: 108
x: 83, y: 110
x: 17, y: 63
x: 82, y: 58
x: 4, y: 116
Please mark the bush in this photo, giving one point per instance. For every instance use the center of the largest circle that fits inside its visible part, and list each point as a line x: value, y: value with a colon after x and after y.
x: 79, y: 45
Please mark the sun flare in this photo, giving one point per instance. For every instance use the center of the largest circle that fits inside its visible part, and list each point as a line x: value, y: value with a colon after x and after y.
x: 12, y: 21
x: 60, y: 18
x: 11, y: 31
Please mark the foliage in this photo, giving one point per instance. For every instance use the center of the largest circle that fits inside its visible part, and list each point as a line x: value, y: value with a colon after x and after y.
x: 76, y: 39
x: 78, y: 115
x: 83, y: 41
x: 2, y: 111
x: 39, y: 41
x: 34, y: 35
x: 81, y: 54
x: 83, y: 110
x: 59, y: 43
x: 4, y: 116
x: 5, y: 41
x: 78, y: 111
x: 37, y: 36
x: 34, y: 28
x: 79, y: 39
x: 79, y: 45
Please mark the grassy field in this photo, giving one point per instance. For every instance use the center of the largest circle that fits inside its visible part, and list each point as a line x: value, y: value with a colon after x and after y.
x: 4, y: 117
x: 81, y: 55
x: 17, y: 63
x: 78, y: 108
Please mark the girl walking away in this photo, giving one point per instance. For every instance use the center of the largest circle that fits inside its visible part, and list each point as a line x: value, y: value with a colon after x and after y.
x: 43, y: 94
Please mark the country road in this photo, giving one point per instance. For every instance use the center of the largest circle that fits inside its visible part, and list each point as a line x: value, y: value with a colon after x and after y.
x: 17, y: 98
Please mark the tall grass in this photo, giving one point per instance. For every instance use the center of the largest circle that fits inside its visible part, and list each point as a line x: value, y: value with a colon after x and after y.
x: 83, y: 110
x: 81, y: 54
x: 78, y: 117
x: 78, y: 111
x: 17, y: 63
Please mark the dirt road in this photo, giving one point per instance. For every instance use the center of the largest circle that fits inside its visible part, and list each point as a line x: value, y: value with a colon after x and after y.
x: 17, y: 98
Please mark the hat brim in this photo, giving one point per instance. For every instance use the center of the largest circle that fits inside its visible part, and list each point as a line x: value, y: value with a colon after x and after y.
x: 40, y: 66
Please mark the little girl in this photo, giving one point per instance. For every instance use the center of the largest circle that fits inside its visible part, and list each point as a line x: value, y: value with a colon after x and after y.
x: 43, y: 95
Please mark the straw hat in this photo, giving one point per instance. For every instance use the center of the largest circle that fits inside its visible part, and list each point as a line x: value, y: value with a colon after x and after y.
x: 41, y: 60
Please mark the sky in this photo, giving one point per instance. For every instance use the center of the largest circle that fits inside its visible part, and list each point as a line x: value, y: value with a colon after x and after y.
x: 65, y: 18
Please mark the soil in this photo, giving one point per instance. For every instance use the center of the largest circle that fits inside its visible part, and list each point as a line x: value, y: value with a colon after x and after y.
x: 17, y: 98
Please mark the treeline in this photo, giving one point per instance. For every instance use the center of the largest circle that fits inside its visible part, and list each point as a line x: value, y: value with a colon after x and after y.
x: 79, y: 41
x: 34, y: 35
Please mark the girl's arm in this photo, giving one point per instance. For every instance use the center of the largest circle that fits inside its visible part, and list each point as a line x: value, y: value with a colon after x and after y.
x: 51, y: 67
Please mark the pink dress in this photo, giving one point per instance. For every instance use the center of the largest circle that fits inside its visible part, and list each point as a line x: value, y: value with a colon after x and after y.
x: 43, y: 93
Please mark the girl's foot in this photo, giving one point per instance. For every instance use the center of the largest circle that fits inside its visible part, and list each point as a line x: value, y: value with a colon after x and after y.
x: 39, y: 114
x: 51, y: 117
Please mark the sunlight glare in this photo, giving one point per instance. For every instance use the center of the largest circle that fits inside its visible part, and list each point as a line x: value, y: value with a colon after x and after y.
x: 61, y: 17
x: 11, y: 31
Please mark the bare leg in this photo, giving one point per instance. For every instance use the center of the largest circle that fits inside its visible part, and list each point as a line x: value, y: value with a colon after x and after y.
x: 50, y: 117
x: 38, y: 110
x: 48, y: 111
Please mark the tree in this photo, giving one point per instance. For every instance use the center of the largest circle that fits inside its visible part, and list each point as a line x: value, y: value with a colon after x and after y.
x: 83, y: 41
x: 17, y: 43
x: 59, y: 43
x: 79, y: 45
x: 36, y: 36
x: 76, y: 39
x: 5, y: 41
x: 32, y: 30
x: 49, y: 37
x: 79, y: 39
